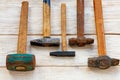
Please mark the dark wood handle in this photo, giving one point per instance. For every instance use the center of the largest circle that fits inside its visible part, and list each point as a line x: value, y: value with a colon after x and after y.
x: 22, y: 37
x: 46, y: 18
x: 99, y: 27
x: 63, y: 26
x: 80, y: 18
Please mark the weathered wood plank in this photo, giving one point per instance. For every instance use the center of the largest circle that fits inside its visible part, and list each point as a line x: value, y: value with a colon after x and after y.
x: 62, y: 73
x: 9, y: 16
x: 8, y: 45
x: 52, y: 68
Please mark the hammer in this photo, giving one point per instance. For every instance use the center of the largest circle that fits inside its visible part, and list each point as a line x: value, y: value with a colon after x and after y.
x: 64, y: 52
x: 21, y: 61
x: 46, y: 41
x: 103, y: 61
x: 80, y: 41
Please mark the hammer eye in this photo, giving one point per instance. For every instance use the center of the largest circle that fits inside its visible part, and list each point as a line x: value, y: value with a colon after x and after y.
x: 81, y: 42
x: 20, y: 68
x: 104, y: 62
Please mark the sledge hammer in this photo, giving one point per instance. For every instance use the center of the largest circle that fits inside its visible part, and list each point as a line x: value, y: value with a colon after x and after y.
x: 80, y: 41
x: 46, y: 41
x: 21, y: 61
x: 64, y: 52
x: 103, y: 61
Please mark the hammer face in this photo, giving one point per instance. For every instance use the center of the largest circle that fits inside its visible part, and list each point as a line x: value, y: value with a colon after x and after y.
x: 102, y: 62
x: 46, y: 42
x: 63, y: 53
x: 20, y: 62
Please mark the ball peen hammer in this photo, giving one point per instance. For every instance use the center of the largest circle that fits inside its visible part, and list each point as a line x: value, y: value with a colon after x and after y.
x: 46, y: 41
x: 21, y: 61
x: 64, y: 52
x: 80, y: 40
x: 103, y: 61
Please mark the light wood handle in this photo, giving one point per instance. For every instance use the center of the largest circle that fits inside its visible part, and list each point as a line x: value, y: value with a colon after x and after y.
x: 99, y: 27
x: 46, y: 18
x: 63, y: 27
x: 22, y: 37
x: 80, y: 18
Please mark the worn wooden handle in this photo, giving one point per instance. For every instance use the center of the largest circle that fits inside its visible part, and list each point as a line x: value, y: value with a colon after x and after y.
x: 22, y: 37
x: 63, y: 27
x: 99, y: 27
x: 80, y: 18
x: 46, y: 18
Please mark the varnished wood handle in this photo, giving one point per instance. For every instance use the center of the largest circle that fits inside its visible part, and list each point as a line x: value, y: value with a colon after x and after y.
x: 63, y: 27
x: 22, y: 37
x: 99, y: 27
x: 80, y: 18
x: 46, y: 18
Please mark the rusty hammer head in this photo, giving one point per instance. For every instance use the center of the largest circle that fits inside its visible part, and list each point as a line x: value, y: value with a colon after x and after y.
x: 81, y: 41
x: 20, y: 62
x: 46, y: 42
x: 102, y: 62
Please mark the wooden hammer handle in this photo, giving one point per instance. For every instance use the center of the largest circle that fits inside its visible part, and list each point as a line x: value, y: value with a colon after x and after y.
x: 80, y: 18
x: 99, y: 27
x: 63, y: 27
x: 46, y: 18
x: 22, y: 37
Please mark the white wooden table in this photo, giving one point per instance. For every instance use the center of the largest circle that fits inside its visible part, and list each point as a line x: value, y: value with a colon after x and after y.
x: 52, y: 68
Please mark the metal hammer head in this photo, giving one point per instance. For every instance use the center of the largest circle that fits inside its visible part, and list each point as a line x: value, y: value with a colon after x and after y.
x: 63, y: 53
x: 46, y: 42
x: 82, y: 41
x: 102, y: 62
x: 20, y: 62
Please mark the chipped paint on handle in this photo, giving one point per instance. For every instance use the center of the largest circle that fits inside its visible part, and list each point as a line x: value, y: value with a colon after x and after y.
x: 47, y: 2
x: 20, y: 62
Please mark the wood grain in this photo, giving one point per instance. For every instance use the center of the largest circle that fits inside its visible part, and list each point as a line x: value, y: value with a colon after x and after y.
x: 80, y: 18
x: 63, y: 26
x: 62, y: 73
x: 9, y: 43
x: 46, y: 20
x: 52, y: 68
x: 99, y: 27
x: 22, y: 37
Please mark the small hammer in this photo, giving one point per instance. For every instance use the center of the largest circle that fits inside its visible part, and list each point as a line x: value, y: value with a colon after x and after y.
x: 46, y: 41
x: 64, y: 52
x: 80, y: 41
x: 103, y: 61
x: 21, y: 61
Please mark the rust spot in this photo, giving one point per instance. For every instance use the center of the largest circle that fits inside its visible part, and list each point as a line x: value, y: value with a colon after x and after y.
x: 102, y: 62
